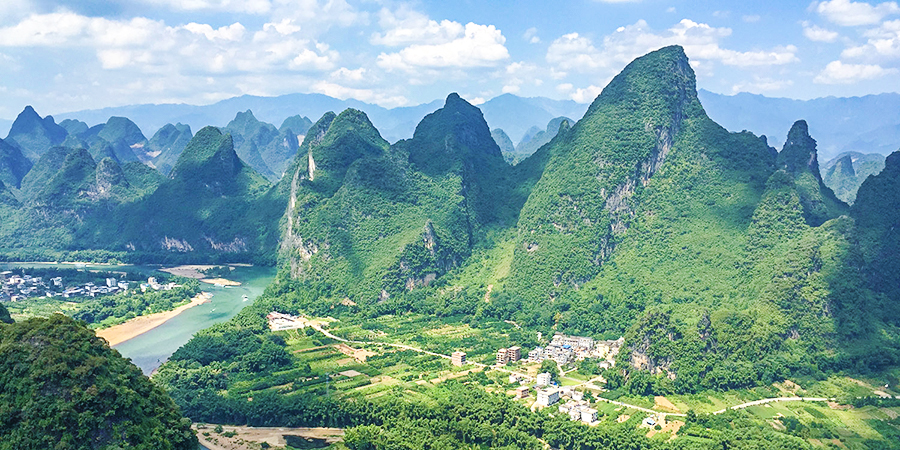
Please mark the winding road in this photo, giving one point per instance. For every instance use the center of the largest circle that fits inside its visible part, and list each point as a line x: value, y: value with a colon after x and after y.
x: 588, y: 384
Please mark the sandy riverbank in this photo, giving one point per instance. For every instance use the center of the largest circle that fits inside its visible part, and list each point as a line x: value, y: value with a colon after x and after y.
x: 248, y: 438
x: 139, y: 325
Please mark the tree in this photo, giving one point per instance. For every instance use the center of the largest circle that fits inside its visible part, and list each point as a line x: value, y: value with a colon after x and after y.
x: 550, y: 366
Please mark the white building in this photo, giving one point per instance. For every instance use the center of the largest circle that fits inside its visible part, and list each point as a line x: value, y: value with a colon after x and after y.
x: 458, y: 358
x: 588, y: 415
x: 543, y: 379
x: 547, y: 397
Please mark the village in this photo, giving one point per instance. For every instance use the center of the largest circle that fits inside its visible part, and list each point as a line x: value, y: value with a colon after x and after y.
x: 18, y: 287
x: 562, y: 349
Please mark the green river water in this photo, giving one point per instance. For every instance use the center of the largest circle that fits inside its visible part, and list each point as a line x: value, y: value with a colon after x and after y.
x: 152, y: 348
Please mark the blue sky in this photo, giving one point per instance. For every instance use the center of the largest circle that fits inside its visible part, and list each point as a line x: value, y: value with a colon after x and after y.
x: 65, y: 55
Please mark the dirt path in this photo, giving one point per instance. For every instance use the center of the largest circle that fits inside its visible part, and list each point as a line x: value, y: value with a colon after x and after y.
x: 139, y: 325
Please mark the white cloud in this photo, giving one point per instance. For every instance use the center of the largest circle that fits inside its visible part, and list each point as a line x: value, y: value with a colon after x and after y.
x: 284, y: 28
x: 848, y: 13
x: 511, y: 89
x: 761, y: 85
x: 235, y: 6
x: 564, y: 87
x: 367, y: 95
x: 233, y: 32
x: 347, y: 75
x: 837, y: 72
x: 479, y: 46
x: 819, y: 34
x: 586, y: 95
x: 406, y: 26
x: 70, y: 29
x: 700, y: 42
x: 751, y: 18
x: 474, y: 100
x: 531, y: 36
x: 883, y: 44
x: 575, y: 52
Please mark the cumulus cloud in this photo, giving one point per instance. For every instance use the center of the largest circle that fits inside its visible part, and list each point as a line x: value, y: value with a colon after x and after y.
x: 233, y: 32
x: 366, y: 95
x: 836, y: 72
x: 761, y: 85
x: 153, y: 47
x: 848, y: 13
x: 405, y: 26
x: 531, y: 36
x: 586, y: 95
x: 883, y: 44
x: 235, y: 6
x: 819, y: 34
x: 476, y: 46
x: 700, y: 41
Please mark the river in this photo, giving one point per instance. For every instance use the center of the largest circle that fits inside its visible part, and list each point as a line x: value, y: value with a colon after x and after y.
x: 152, y: 348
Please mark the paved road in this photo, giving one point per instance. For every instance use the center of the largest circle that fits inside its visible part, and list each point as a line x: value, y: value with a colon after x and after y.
x: 409, y: 347
x: 776, y: 399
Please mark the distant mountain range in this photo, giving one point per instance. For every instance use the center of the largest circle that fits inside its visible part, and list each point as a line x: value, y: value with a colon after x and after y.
x: 869, y: 124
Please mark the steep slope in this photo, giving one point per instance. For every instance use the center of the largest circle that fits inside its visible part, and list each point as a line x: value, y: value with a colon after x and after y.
x: 846, y: 172
x: 63, y: 387
x: 799, y: 158
x: 203, y: 209
x: 13, y: 164
x: 580, y: 206
x: 506, y: 146
x: 44, y: 168
x: 35, y: 135
x: 877, y: 214
x: 167, y: 144
x: 250, y: 138
x: 373, y: 220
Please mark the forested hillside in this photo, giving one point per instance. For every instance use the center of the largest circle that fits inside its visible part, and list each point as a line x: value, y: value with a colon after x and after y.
x: 63, y: 387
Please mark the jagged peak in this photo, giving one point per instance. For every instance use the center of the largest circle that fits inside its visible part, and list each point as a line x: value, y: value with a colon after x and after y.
x: 799, y: 152
x: 245, y: 116
x: 845, y: 165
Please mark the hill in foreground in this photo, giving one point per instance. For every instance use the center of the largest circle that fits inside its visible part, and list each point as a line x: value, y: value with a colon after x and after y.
x: 63, y: 387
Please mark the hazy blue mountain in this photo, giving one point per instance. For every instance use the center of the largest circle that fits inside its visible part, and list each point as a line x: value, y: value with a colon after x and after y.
x: 298, y: 124
x: 13, y: 164
x: 34, y: 134
x: 515, y: 115
x: 250, y: 137
x: 533, y: 141
x: 506, y: 111
x: 167, y: 144
x: 869, y: 124
x: 74, y: 126
x: 845, y: 173
x: 118, y: 137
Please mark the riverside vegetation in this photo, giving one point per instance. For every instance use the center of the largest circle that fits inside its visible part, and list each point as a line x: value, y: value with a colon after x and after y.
x: 727, y: 265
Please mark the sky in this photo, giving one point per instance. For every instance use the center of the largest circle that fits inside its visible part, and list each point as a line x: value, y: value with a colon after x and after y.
x: 62, y: 56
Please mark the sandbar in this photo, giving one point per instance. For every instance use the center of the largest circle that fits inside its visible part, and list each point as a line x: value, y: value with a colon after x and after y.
x: 188, y: 271
x: 139, y: 325
x: 221, y: 281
